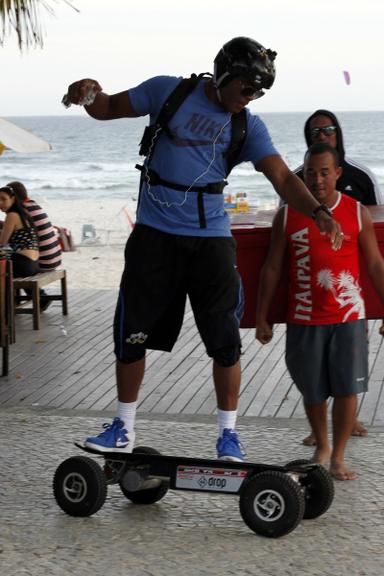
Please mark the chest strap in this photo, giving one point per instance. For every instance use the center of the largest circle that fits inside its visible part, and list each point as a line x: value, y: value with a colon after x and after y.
x: 152, y: 177
x: 154, y: 180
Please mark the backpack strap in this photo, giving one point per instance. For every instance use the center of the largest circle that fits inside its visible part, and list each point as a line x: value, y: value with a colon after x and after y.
x: 168, y: 110
x: 238, y: 136
x: 175, y: 99
x: 152, y: 177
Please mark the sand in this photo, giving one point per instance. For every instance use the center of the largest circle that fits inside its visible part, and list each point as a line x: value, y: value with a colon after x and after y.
x: 97, y: 267
x: 99, y: 264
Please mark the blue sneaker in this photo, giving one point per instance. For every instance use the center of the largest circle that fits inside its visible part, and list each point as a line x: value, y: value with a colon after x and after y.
x: 114, y: 438
x: 229, y: 447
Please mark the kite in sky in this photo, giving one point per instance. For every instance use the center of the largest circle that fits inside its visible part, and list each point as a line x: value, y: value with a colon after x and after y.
x: 347, y: 77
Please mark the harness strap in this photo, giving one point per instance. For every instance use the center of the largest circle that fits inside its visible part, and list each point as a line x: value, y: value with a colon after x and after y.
x: 155, y: 180
x: 147, y: 174
x: 201, y: 211
x: 238, y: 136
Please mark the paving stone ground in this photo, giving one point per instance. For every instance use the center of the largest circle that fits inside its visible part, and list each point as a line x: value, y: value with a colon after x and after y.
x: 186, y: 533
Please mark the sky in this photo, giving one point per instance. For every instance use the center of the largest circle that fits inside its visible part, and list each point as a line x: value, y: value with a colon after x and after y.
x: 122, y: 42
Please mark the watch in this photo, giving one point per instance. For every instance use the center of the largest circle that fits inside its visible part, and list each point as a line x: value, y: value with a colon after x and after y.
x: 323, y: 208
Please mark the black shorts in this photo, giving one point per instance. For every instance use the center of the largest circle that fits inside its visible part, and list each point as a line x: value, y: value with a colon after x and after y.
x: 24, y: 266
x: 160, y: 271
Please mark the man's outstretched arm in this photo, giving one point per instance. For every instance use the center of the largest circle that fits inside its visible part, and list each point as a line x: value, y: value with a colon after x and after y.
x: 104, y: 106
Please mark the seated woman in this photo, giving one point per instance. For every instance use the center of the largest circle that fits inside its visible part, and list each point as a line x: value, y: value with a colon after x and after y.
x: 49, y: 247
x: 19, y: 232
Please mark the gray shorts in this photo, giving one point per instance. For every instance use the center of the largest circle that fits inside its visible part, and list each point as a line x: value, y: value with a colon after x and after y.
x: 328, y: 360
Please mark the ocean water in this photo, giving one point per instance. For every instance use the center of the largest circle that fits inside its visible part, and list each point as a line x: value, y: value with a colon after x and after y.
x: 91, y: 169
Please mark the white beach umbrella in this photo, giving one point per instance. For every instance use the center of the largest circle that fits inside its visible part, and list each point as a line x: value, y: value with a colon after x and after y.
x: 13, y: 137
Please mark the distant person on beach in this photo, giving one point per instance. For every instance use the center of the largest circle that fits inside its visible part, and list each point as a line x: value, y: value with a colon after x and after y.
x: 356, y: 180
x: 181, y: 244
x: 19, y: 232
x: 326, y: 342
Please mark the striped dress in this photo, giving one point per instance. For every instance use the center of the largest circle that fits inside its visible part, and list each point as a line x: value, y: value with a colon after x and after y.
x: 49, y: 247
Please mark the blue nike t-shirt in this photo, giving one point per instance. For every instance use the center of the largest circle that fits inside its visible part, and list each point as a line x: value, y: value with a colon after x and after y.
x: 194, y: 156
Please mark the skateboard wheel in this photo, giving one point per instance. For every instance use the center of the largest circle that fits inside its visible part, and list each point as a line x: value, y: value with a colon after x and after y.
x: 146, y: 495
x: 318, y: 487
x: 271, y: 504
x: 79, y: 486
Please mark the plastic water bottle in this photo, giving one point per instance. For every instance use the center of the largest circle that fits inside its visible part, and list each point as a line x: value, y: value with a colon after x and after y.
x: 88, y: 99
x: 242, y: 202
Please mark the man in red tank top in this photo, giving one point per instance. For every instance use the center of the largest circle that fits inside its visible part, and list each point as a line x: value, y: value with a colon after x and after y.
x: 326, y: 347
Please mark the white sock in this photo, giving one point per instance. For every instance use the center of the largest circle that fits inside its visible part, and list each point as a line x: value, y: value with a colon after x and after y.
x: 126, y: 411
x: 226, y: 419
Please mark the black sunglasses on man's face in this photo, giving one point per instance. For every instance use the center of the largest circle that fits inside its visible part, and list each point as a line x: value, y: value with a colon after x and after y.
x: 327, y: 130
x: 249, y: 90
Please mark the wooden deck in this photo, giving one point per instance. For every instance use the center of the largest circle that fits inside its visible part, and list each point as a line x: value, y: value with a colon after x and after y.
x: 69, y: 364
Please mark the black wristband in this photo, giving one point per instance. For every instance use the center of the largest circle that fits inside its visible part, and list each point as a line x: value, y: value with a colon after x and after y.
x: 323, y: 208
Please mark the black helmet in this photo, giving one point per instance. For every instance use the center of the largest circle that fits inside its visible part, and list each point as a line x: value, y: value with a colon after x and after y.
x: 246, y: 58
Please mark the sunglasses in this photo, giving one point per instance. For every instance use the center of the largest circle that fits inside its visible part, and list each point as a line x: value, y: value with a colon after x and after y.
x: 250, y: 91
x: 327, y: 130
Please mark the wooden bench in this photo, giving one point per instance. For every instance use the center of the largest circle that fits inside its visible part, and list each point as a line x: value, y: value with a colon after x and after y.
x: 34, y: 283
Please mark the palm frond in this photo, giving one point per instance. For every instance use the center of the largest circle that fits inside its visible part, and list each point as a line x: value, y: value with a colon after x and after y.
x: 24, y: 18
